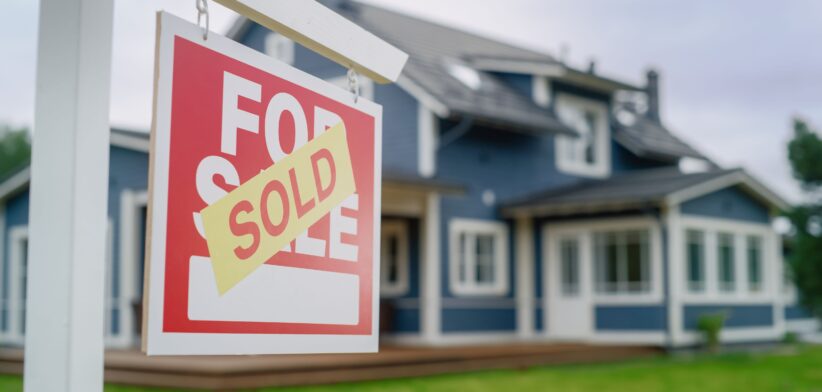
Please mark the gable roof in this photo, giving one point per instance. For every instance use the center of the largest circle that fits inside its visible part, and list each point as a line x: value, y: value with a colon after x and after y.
x: 637, y: 190
x: 432, y: 49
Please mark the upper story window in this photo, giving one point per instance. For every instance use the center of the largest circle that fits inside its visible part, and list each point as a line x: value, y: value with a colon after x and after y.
x: 394, y: 266
x: 280, y: 47
x: 589, y: 153
x: 478, y: 257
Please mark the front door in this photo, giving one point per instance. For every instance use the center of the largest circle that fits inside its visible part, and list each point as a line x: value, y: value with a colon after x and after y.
x: 568, y: 295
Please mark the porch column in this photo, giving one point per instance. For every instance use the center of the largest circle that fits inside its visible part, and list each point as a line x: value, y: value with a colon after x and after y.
x: 774, y: 283
x: 69, y: 193
x: 430, y: 309
x: 673, y: 279
x: 524, y: 251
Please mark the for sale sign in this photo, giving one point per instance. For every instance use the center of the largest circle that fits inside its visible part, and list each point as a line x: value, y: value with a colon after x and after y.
x: 264, y: 205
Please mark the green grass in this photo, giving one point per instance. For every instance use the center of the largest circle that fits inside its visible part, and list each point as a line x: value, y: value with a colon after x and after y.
x: 800, y: 371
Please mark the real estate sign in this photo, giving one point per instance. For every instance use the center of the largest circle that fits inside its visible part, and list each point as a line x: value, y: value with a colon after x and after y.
x: 264, y: 205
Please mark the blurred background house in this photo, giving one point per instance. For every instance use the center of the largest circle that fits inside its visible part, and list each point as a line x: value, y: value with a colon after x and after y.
x: 523, y: 200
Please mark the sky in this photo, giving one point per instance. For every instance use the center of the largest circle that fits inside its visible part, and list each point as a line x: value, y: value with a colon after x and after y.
x: 733, y: 73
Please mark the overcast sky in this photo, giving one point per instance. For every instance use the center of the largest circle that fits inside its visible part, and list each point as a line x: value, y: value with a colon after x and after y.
x: 733, y: 73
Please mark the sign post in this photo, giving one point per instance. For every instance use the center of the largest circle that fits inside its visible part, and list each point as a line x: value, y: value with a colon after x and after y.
x: 69, y: 193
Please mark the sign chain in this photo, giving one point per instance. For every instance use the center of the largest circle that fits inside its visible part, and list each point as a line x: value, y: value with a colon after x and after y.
x: 202, y: 10
x: 354, y: 84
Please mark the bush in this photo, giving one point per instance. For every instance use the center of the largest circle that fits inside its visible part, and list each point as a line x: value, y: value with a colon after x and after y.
x: 791, y: 338
x: 711, y: 325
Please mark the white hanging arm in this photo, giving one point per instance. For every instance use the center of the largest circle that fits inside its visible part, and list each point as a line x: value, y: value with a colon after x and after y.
x: 320, y: 29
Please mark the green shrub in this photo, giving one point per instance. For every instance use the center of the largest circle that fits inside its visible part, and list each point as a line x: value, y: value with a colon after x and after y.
x: 791, y: 338
x: 710, y: 325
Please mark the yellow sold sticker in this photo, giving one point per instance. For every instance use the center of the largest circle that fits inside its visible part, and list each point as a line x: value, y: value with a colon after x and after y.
x: 260, y: 217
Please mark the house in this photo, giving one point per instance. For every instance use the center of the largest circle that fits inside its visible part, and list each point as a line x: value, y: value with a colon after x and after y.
x: 523, y: 199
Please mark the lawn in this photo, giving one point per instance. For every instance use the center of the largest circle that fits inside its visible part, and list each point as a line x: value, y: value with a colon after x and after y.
x: 793, y: 371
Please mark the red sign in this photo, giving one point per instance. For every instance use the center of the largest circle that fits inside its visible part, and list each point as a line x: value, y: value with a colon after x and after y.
x: 259, y: 240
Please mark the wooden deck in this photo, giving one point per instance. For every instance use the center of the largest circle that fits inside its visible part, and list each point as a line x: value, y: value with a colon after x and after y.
x: 223, y: 373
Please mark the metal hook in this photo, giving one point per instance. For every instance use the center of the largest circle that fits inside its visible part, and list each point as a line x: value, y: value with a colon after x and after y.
x: 202, y: 9
x: 354, y: 84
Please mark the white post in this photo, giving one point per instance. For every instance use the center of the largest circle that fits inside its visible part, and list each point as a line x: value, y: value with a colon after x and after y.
x: 430, y: 304
x: 69, y: 188
x: 525, y: 277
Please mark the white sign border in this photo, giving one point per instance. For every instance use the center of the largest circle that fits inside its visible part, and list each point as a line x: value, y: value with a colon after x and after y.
x: 157, y: 342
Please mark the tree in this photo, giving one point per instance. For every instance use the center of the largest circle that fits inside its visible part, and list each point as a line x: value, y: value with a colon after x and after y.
x: 805, y: 155
x: 15, y: 149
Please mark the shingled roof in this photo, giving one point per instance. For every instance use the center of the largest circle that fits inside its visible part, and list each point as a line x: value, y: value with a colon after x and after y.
x: 649, y: 138
x: 633, y: 190
x: 435, y: 49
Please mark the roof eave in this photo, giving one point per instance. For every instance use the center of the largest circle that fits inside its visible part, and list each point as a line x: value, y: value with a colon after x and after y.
x: 549, y: 210
x: 15, y: 183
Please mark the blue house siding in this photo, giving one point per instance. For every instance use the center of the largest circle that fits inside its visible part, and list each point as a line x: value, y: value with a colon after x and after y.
x: 479, y: 320
x: 738, y: 316
x: 796, y: 312
x: 17, y: 214
x: 406, y: 320
x: 128, y: 170
x: 631, y: 317
x: 400, y: 140
x: 405, y: 308
x: 728, y: 203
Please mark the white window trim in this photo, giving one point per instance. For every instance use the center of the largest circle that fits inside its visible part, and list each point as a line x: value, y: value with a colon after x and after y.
x: 16, y: 235
x: 427, y: 141
x: 366, y: 85
x: 602, y: 165
x: 770, y: 287
x: 499, y: 230
x: 399, y: 228
x: 130, y: 203
x: 274, y: 40
x: 585, y: 230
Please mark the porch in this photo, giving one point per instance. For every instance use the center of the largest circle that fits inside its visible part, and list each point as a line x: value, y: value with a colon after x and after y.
x: 130, y: 367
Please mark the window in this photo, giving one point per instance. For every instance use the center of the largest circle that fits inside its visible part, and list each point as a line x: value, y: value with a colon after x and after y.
x: 696, y: 260
x: 754, y: 245
x: 394, y: 267
x: 725, y: 257
x: 280, y: 47
x: 589, y: 153
x: 479, y: 257
x: 622, y: 262
x: 569, y: 267
x: 14, y: 295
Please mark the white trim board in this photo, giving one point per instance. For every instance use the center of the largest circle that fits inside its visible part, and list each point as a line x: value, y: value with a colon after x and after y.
x: 320, y: 29
x: 472, y: 228
x: 770, y: 264
x: 399, y: 229
x: 739, y: 177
